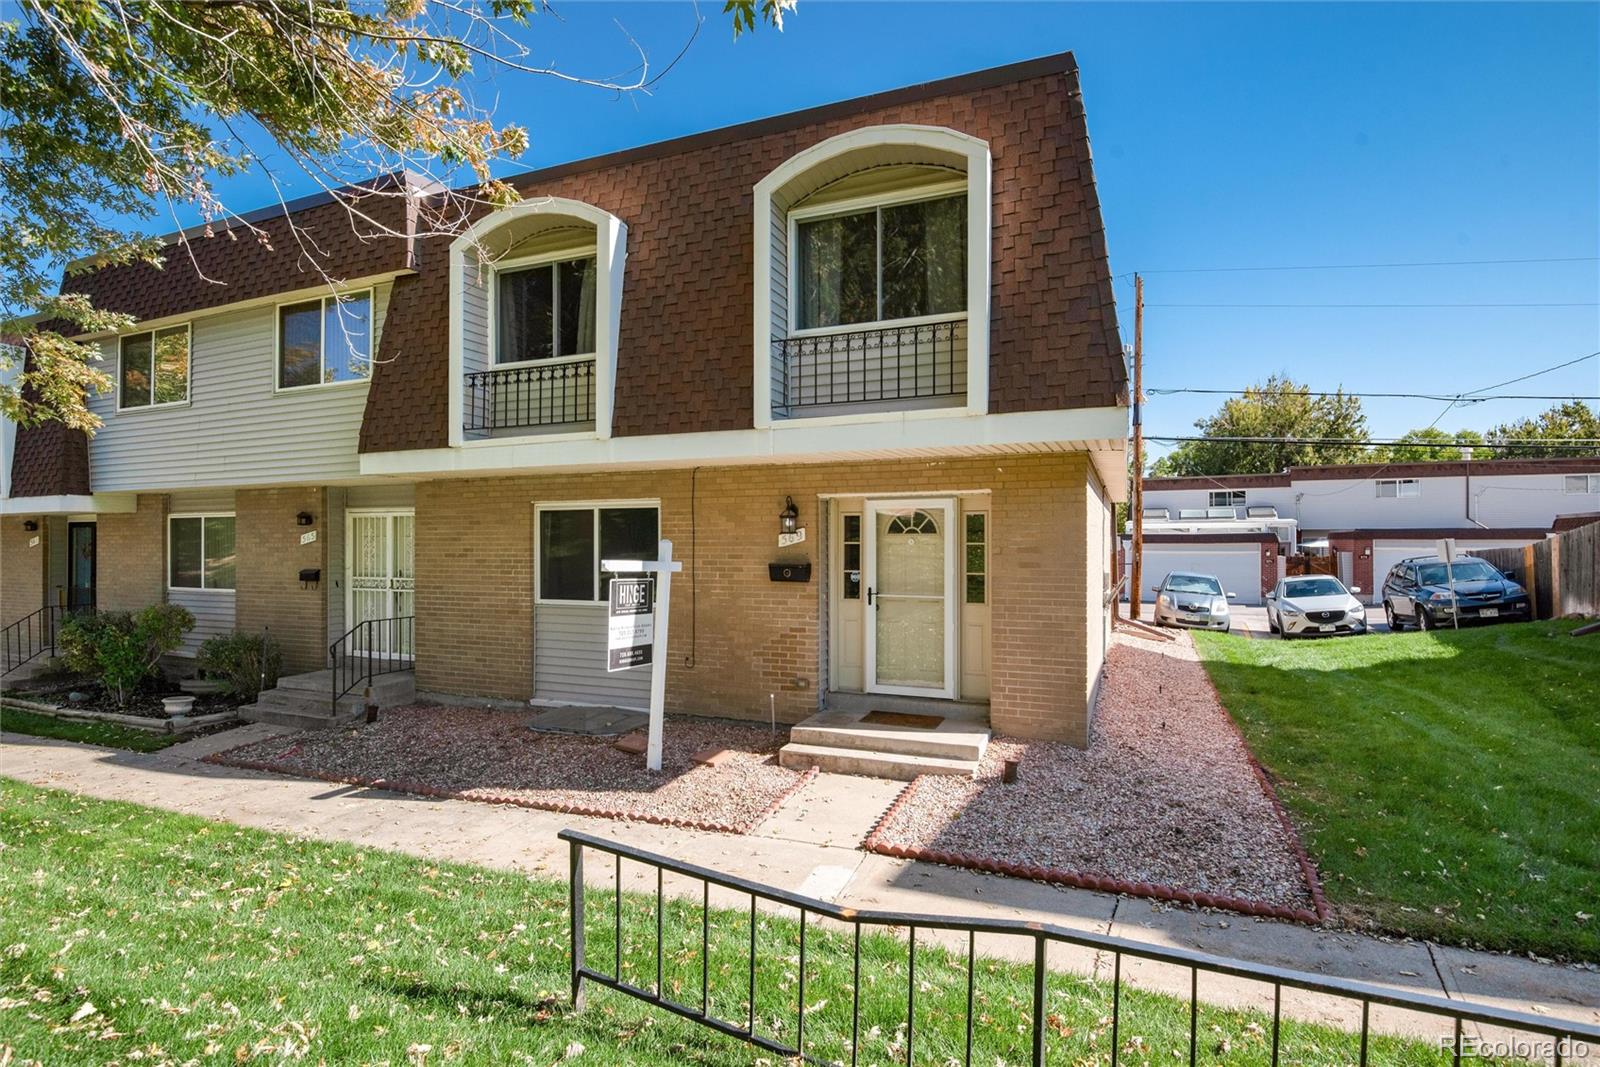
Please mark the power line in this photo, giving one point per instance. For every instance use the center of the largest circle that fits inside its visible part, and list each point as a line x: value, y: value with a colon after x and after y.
x: 1378, y: 306
x: 1549, y: 442
x: 1466, y: 398
x: 1535, y: 374
x: 1365, y: 266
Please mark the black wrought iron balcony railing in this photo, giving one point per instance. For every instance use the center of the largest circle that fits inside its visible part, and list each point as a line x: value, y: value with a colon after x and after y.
x: 530, y: 395
x: 926, y: 361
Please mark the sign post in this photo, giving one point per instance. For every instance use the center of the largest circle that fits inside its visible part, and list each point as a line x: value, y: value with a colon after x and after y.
x: 637, y: 632
x: 1447, y: 552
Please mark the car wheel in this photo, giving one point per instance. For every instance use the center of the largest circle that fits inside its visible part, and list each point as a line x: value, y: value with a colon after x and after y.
x: 1423, y: 622
x: 1388, y: 617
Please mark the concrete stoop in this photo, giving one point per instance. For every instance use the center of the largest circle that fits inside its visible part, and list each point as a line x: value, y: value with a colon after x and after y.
x: 305, y: 701
x: 842, y: 742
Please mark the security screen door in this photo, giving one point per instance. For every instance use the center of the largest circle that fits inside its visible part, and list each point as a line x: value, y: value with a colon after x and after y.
x: 911, y: 596
x: 381, y: 579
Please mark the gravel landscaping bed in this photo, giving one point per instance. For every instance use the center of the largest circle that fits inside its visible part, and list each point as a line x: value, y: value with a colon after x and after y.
x: 492, y: 756
x: 1166, y: 802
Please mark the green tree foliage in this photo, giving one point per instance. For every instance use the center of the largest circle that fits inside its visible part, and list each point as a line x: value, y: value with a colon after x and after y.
x: 1429, y: 445
x: 1276, y: 408
x: 122, y: 649
x: 1564, y: 421
x: 131, y: 109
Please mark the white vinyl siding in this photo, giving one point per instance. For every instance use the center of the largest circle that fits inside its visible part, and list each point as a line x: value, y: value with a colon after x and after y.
x: 569, y: 660
x: 476, y: 277
x: 236, y: 429
x: 213, y: 611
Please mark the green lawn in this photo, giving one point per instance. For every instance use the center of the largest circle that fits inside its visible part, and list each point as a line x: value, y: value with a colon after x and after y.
x: 129, y: 933
x: 1447, y: 784
x: 108, y: 734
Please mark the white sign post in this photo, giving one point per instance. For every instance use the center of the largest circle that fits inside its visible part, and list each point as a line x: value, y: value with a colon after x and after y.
x: 1447, y: 552
x: 663, y: 567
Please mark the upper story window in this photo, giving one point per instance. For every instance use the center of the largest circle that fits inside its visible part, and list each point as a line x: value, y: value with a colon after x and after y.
x: 153, y: 368
x: 1394, y: 488
x: 882, y: 263
x: 1581, y: 483
x: 326, y: 340
x: 545, y: 310
x: 1227, y: 498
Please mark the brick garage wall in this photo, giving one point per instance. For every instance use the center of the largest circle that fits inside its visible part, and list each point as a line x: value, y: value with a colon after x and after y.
x: 268, y: 593
x: 736, y: 635
x: 22, y: 569
x: 1360, y: 549
x: 130, y: 556
x: 1269, y: 567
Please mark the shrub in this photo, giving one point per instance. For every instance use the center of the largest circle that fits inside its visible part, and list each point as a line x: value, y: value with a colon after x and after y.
x: 248, y: 663
x: 123, y: 649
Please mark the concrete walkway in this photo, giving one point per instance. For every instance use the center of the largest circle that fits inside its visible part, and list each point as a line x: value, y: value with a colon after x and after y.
x: 808, y: 846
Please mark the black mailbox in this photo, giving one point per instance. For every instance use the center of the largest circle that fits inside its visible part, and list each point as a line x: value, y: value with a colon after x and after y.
x: 311, y: 574
x: 789, y: 572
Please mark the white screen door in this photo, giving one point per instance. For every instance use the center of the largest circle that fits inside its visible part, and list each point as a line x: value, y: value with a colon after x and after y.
x: 380, y: 579
x: 910, y: 561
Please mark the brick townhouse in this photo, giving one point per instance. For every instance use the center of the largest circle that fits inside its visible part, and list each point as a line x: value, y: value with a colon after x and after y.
x: 892, y: 315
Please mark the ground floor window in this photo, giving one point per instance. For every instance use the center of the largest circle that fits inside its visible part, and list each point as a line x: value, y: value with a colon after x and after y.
x: 200, y: 552
x: 573, y: 539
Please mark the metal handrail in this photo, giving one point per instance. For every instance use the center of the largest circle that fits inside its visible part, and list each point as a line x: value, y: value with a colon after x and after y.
x: 539, y: 394
x: 920, y: 361
x: 33, y: 635
x: 1564, y: 1034
x: 357, y: 657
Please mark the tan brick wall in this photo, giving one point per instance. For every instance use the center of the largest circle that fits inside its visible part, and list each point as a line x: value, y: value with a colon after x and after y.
x: 130, y: 557
x: 268, y: 590
x: 22, y: 569
x: 736, y: 635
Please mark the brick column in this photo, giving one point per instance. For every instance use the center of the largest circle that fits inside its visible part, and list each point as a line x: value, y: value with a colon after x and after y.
x: 1270, y: 551
x: 22, y: 567
x: 269, y: 594
x: 131, y: 556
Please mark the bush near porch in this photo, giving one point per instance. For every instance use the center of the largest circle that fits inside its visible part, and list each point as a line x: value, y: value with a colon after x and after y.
x: 1445, y: 782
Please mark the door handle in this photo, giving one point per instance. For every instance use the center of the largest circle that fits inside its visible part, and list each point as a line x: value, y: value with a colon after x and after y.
x: 869, y: 596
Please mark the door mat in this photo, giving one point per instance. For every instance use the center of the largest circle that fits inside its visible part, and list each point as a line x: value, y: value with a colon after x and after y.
x: 905, y: 719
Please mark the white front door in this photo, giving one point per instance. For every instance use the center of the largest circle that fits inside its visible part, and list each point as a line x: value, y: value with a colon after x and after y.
x: 910, y: 562
x: 380, y: 579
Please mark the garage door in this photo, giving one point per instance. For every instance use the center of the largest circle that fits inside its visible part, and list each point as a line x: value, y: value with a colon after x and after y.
x: 1238, y: 567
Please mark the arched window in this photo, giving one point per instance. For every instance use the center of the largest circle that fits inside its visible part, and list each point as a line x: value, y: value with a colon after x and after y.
x: 918, y: 522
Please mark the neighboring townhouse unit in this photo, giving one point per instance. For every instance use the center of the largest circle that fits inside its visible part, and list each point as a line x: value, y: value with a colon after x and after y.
x: 893, y: 314
x: 1361, y: 518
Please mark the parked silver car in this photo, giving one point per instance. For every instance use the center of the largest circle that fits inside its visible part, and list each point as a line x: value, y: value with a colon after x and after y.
x: 1185, y: 599
x: 1315, y: 604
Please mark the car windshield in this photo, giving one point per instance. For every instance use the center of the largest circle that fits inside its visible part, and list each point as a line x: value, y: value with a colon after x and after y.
x: 1468, y: 570
x: 1193, y: 583
x: 1313, y: 587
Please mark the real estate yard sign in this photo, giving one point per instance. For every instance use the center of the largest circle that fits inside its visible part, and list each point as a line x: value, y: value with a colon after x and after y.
x: 632, y: 620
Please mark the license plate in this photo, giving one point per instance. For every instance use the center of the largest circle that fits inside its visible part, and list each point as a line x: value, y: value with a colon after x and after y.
x: 1488, y: 613
x: 1324, y: 629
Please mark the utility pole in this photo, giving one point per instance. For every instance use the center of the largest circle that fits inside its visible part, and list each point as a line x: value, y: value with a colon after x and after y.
x: 1136, y: 509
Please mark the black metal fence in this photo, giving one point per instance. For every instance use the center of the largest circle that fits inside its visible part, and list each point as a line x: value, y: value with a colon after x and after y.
x: 1562, y: 1039
x: 370, y: 649
x: 535, y: 395
x: 33, y: 635
x: 864, y: 366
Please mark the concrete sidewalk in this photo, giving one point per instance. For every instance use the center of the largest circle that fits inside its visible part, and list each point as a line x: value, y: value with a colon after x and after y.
x: 808, y: 846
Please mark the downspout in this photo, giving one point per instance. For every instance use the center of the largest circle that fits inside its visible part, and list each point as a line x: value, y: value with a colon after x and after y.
x: 1467, y: 494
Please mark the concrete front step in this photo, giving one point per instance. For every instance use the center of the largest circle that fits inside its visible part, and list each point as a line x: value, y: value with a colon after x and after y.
x: 873, y: 764
x: 952, y: 739
x: 305, y: 701
x: 970, y: 710
x: 398, y: 687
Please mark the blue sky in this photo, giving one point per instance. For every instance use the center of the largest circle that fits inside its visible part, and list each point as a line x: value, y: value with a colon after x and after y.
x: 1224, y: 136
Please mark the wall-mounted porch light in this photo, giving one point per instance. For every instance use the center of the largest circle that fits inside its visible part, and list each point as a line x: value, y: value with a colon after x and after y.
x: 303, y: 519
x: 789, y: 517
x: 30, y: 525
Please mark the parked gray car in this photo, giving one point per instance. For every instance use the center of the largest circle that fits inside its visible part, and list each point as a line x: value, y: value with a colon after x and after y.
x: 1315, y: 604
x: 1197, y: 600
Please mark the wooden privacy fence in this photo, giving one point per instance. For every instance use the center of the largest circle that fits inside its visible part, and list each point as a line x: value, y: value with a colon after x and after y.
x: 1562, y: 573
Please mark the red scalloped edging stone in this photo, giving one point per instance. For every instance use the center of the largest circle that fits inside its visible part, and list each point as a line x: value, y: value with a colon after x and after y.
x: 421, y: 789
x: 1317, y: 915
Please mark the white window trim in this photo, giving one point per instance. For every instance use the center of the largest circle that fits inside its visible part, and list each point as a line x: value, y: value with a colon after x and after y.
x: 167, y: 560
x: 1398, y: 483
x: 188, y: 383
x: 322, y: 344
x: 856, y: 206
x: 522, y: 263
x: 611, y: 241
x: 980, y: 244
x: 592, y: 506
x: 1591, y: 484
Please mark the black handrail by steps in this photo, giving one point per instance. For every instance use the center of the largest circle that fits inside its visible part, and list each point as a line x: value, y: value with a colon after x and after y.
x: 33, y: 635
x: 1563, y: 1040
x: 369, y: 649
